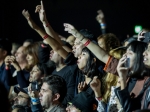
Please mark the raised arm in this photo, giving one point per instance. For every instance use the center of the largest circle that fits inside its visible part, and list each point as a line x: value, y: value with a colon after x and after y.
x: 49, y: 30
x: 101, y: 20
x: 55, y: 45
x: 95, y: 49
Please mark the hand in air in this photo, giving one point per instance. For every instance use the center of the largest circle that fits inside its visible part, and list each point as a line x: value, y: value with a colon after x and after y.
x: 100, y: 16
x: 40, y: 9
x: 26, y: 14
x: 70, y: 29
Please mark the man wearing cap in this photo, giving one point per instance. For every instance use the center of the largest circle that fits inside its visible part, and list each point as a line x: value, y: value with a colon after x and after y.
x: 21, y: 101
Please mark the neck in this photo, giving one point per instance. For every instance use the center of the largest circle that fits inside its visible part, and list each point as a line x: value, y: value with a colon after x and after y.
x: 23, y: 65
x: 52, y: 106
x: 59, y: 66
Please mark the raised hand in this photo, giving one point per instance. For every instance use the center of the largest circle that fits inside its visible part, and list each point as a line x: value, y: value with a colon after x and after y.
x: 141, y: 35
x: 81, y: 86
x: 122, y: 71
x: 100, y: 16
x: 14, y: 63
x: 40, y: 9
x: 96, y: 86
x: 28, y: 17
x: 7, y: 61
x: 70, y: 29
x: 32, y: 94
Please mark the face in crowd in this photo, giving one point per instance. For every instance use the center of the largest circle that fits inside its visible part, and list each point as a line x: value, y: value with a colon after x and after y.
x: 22, y: 99
x: 20, y: 55
x: 35, y: 74
x: 77, y: 48
x: 146, y: 55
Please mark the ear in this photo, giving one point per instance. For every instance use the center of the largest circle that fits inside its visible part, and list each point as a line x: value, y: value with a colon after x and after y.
x: 42, y: 76
x: 56, y: 97
x: 94, y: 60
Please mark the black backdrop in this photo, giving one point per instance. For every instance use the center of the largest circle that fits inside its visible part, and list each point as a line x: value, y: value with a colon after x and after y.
x: 121, y: 16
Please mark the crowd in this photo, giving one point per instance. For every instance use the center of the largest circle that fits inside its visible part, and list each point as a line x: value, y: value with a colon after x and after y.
x: 75, y: 74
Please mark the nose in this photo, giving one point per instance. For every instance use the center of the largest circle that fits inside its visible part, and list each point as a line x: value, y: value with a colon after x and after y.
x: 40, y: 94
x: 51, y: 51
x: 144, y: 53
x: 79, y: 56
x: 74, y: 46
x: 15, y: 98
x: 27, y: 57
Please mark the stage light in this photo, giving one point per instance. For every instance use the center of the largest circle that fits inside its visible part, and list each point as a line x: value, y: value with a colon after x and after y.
x: 137, y: 28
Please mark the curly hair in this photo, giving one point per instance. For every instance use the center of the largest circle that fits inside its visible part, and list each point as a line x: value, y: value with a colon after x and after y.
x: 110, y: 41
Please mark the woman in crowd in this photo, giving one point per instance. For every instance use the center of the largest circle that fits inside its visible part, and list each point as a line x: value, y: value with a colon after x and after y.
x: 136, y: 74
x: 87, y: 64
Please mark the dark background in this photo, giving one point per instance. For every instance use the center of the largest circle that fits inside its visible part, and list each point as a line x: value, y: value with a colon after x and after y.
x: 121, y: 16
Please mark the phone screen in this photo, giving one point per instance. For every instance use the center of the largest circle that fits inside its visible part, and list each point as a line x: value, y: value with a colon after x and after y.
x: 34, y: 86
x: 127, y: 63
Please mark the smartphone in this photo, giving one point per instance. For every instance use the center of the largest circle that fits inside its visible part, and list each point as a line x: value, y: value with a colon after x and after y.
x: 127, y: 63
x: 34, y: 86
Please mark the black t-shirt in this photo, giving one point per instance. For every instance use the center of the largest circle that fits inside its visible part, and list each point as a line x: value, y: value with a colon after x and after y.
x: 71, y: 60
x: 68, y: 73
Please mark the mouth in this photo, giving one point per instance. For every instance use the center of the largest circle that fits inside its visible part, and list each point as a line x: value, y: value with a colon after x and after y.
x: 145, y: 59
x: 78, y: 62
x: 73, y: 51
x: 50, y: 56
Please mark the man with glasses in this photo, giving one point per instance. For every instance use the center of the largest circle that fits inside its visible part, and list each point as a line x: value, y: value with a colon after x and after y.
x: 21, y: 101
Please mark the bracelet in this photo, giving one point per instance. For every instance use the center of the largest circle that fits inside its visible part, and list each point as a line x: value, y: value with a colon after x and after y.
x: 46, y: 25
x: 87, y: 42
x: 46, y: 36
x: 35, y: 100
x: 102, y: 24
x: 7, y: 68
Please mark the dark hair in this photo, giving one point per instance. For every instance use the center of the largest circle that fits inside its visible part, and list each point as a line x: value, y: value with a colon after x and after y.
x: 29, y: 40
x: 91, y: 68
x: 5, y: 105
x: 139, y: 68
x: 45, y: 69
x: 145, y: 110
x: 57, y: 85
x: 88, y: 34
x: 66, y: 44
x: 6, y: 44
x: 130, y: 39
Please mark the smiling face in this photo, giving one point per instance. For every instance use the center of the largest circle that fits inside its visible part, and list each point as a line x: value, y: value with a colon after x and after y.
x: 146, y: 55
x: 77, y: 48
x: 35, y: 74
